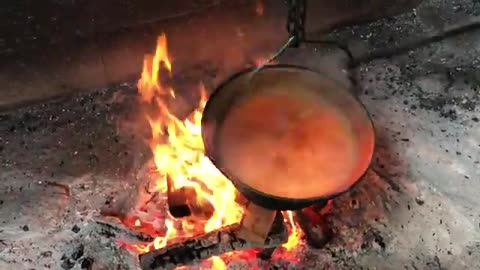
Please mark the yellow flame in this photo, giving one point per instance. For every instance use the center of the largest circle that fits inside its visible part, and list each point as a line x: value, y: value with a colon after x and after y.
x: 179, y: 156
x: 295, y: 234
x: 148, y: 84
x: 218, y: 263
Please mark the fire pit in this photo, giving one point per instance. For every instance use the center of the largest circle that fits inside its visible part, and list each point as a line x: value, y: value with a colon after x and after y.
x: 204, y: 216
x: 190, y: 208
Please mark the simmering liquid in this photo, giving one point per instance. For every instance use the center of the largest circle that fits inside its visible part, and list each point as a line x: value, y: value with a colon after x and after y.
x: 289, y: 147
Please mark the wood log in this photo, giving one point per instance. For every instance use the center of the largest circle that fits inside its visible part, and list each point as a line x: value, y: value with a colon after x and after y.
x: 316, y: 230
x: 256, y: 223
x: 185, y: 201
x: 266, y: 254
x: 113, y: 228
x: 177, y: 201
x: 194, y: 250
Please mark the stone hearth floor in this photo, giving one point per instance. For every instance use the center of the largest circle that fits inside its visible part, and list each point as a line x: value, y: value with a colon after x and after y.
x: 417, y: 208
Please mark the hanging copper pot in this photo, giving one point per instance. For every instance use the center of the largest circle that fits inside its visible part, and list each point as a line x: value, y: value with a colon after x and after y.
x: 287, y: 137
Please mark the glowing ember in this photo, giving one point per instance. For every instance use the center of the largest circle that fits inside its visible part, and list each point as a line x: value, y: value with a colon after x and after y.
x: 218, y: 263
x: 178, y: 154
x: 259, y: 8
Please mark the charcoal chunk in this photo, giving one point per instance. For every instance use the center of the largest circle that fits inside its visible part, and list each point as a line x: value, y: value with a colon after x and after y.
x: 75, y: 229
x: 86, y: 263
x: 78, y: 253
x: 67, y: 264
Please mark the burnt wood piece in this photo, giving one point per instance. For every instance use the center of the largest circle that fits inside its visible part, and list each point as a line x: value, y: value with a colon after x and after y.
x: 195, y: 250
x: 266, y: 254
x: 112, y: 228
x: 177, y: 201
x: 313, y: 225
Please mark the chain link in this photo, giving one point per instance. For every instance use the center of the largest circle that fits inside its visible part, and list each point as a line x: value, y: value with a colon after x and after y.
x: 296, y: 20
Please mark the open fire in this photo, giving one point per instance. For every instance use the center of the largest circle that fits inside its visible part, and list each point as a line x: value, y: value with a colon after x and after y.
x: 181, y: 167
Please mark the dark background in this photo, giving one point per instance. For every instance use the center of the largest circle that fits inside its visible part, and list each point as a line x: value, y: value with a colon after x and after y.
x: 51, y: 48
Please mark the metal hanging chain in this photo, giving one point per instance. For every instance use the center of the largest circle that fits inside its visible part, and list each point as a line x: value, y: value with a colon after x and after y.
x: 295, y: 27
x: 276, y: 55
x: 296, y: 20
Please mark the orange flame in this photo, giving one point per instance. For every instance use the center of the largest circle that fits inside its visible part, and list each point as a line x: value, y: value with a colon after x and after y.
x: 148, y: 85
x: 178, y: 155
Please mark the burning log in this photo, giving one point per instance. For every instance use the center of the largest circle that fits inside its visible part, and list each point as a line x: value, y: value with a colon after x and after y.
x: 185, y: 201
x: 211, y: 244
x: 317, y: 232
x: 177, y: 200
x: 266, y: 254
x: 257, y: 223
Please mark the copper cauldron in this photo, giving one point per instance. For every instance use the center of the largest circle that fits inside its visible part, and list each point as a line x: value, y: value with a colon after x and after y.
x: 287, y: 137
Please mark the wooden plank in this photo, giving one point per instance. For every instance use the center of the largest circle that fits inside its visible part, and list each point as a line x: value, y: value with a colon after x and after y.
x: 256, y: 223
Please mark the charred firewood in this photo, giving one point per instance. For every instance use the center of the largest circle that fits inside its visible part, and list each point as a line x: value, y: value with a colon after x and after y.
x: 177, y: 201
x: 65, y: 188
x: 185, y: 201
x: 113, y: 228
x: 266, y: 254
x: 211, y: 244
x: 317, y: 232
